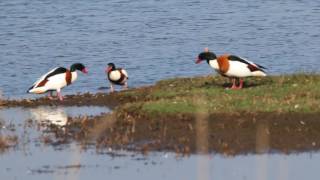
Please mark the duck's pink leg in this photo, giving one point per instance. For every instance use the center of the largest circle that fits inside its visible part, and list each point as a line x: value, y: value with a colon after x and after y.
x: 111, y: 88
x: 50, y: 95
x: 59, y: 95
x: 125, y: 87
x: 241, y: 84
x: 234, y: 86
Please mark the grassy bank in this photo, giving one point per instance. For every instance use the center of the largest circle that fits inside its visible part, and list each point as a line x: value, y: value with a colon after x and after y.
x: 281, y: 94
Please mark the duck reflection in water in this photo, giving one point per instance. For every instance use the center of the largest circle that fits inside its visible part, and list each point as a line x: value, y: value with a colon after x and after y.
x: 50, y: 116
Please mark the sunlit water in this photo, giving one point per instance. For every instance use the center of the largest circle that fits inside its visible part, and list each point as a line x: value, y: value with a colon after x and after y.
x: 152, y: 39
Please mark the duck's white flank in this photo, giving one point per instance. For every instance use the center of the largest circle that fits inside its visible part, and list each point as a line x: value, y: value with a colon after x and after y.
x: 56, y: 82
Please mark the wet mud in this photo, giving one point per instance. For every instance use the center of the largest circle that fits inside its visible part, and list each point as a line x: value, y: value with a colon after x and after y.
x: 110, y: 100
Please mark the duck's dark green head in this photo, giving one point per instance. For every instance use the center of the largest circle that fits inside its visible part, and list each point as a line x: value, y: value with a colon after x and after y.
x: 206, y: 55
x: 111, y: 67
x: 78, y: 66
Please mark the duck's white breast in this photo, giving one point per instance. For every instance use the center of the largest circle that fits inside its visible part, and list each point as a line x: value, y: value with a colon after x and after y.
x: 214, y: 64
x: 74, y: 76
x: 115, y: 75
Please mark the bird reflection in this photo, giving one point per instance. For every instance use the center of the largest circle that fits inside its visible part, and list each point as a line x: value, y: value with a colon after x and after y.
x: 50, y: 115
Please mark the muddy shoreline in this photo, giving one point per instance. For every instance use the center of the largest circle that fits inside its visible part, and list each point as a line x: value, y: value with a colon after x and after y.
x: 111, y: 100
x: 99, y: 99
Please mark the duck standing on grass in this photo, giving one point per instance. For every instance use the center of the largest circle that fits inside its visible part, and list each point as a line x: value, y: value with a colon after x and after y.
x: 231, y: 66
x: 56, y: 79
x: 117, y: 76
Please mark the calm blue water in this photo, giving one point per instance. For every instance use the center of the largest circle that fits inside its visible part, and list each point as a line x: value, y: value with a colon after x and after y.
x: 152, y: 39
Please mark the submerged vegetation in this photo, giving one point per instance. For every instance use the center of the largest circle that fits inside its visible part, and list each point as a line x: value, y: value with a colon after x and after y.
x: 7, y: 142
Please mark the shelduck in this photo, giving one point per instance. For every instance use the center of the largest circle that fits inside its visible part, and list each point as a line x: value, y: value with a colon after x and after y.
x: 117, y: 76
x: 56, y: 79
x: 231, y: 66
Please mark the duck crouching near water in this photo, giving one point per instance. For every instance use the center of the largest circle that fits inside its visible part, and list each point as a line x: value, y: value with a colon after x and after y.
x: 117, y: 76
x: 232, y: 66
x: 56, y: 79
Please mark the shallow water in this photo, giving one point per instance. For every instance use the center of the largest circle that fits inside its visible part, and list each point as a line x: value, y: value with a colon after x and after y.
x: 152, y: 39
x: 74, y: 163
x: 52, y: 114
x: 34, y: 158
x: 31, y: 125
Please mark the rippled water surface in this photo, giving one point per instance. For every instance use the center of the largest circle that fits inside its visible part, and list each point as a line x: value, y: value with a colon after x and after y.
x: 152, y: 39
x: 77, y: 164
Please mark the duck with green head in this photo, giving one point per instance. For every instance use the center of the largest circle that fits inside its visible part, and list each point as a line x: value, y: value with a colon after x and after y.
x: 56, y: 79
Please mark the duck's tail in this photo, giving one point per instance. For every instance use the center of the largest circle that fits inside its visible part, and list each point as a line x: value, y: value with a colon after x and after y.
x: 259, y: 73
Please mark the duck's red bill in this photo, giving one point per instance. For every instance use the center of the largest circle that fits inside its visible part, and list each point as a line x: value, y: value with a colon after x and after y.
x: 108, y: 69
x: 198, y: 61
x: 85, y: 70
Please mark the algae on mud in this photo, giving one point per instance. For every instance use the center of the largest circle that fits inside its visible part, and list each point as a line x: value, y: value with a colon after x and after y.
x: 189, y: 115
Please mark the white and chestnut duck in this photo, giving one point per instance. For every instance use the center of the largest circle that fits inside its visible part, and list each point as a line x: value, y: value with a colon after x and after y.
x: 56, y: 79
x: 231, y: 66
x: 117, y: 76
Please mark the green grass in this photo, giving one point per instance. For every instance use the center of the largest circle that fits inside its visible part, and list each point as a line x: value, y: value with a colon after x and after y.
x: 288, y: 93
x: 167, y: 106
